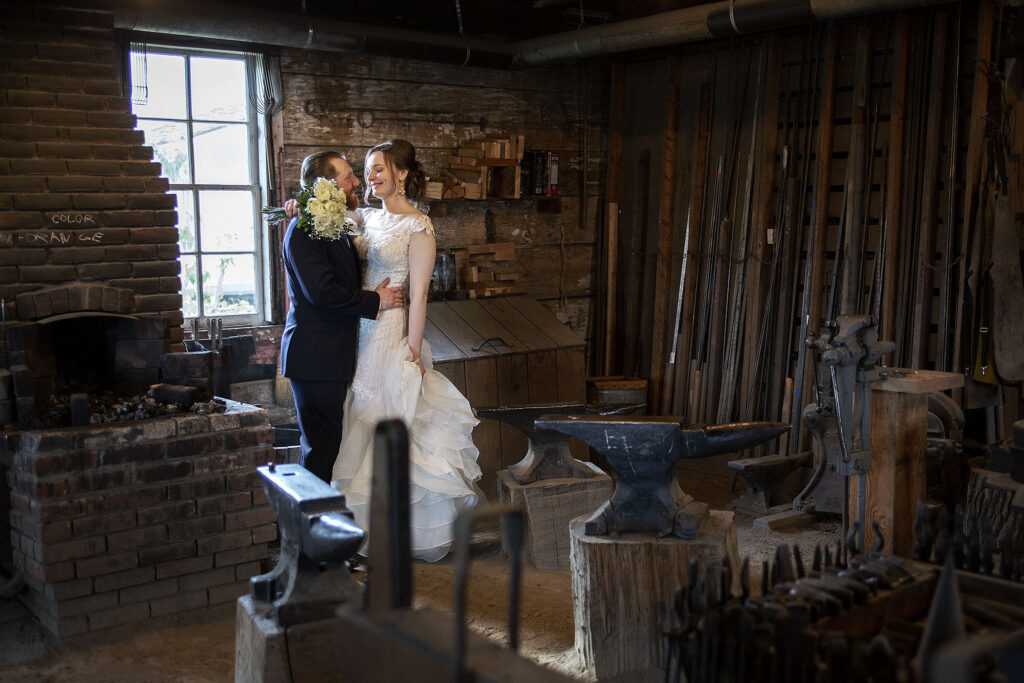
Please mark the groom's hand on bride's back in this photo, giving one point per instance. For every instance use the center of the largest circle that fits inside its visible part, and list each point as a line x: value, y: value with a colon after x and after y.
x: 390, y: 297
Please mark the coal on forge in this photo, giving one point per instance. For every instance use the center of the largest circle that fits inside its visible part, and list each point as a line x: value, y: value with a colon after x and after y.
x: 64, y: 410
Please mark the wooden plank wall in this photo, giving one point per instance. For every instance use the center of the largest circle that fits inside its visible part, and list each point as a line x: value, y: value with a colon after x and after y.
x: 795, y: 60
x: 350, y: 103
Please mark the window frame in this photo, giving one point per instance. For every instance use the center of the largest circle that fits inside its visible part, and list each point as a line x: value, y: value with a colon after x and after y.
x: 257, y: 185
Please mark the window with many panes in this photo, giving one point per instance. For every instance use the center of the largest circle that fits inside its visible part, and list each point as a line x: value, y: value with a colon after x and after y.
x: 201, y: 125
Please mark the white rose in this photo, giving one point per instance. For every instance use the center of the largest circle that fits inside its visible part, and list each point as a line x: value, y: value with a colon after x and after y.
x: 322, y: 189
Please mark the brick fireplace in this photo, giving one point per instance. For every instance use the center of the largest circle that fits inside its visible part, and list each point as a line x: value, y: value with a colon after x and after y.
x: 112, y: 523
x: 118, y: 524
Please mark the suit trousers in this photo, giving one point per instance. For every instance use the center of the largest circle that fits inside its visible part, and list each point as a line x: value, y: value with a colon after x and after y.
x: 319, y: 407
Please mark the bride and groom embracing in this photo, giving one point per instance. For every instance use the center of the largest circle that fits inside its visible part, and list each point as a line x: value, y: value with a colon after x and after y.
x: 346, y: 333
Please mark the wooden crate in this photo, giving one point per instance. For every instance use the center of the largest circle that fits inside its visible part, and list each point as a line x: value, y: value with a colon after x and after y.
x: 537, y: 360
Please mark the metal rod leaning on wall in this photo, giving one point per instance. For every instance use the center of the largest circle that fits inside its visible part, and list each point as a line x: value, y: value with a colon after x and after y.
x: 694, y: 233
x: 894, y: 186
x: 921, y: 319
x: 975, y: 141
x: 793, y: 386
x: 814, y: 272
x: 947, y: 297
x: 850, y: 290
x: 660, y: 371
x: 736, y: 301
x: 759, y: 273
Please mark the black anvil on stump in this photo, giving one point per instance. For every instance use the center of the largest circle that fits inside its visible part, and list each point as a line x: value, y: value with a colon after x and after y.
x: 642, y: 451
x: 548, y: 455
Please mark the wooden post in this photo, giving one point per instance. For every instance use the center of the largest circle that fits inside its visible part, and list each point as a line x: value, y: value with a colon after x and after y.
x: 897, y: 478
x: 663, y: 258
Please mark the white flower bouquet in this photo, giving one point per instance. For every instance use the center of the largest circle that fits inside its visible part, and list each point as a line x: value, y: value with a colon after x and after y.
x: 321, y: 211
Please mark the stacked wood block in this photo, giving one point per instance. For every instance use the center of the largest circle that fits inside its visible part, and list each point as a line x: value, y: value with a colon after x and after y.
x: 549, y: 506
x: 485, y: 168
x: 491, y: 269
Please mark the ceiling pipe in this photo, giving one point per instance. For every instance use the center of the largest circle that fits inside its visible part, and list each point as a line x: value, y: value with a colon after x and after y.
x: 218, y: 20
x: 700, y: 22
x: 211, y: 19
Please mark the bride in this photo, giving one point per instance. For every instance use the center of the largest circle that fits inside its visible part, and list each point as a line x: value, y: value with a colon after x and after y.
x: 394, y: 374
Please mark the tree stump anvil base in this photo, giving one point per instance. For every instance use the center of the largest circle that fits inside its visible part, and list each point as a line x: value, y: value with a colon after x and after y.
x: 617, y: 581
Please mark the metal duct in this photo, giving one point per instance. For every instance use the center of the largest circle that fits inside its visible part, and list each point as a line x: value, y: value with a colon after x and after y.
x: 701, y: 22
x: 212, y: 19
x: 221, y: 21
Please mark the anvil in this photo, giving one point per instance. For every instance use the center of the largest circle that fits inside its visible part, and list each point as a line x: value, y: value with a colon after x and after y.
x: 317, y: 536
x: 548, y: 455
x: 642, y: 451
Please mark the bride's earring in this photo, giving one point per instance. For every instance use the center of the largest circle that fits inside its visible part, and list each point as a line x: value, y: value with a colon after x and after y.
x: 401, y: 189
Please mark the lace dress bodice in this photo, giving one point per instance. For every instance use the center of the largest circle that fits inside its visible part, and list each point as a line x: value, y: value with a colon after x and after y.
x: 383, y: 247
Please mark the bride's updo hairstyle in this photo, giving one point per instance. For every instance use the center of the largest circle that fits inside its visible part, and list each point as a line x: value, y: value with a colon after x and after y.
x: 400, y: 155
x: 318, y: 166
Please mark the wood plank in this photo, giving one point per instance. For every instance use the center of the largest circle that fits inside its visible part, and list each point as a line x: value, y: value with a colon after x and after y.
x: 572, y: 384
x: 456, y: 328
x: 482, y: 390
x: 546, y: 321
x: 610, y: 241
x: 487, y: 327
x: 513, y: 390
x: 554, y: 270
x: 528, y: 333
x: 442, y: 347
x: 455, y: 371
x: 543, y: 372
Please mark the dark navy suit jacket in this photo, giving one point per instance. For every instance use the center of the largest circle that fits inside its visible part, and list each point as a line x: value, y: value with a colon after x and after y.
x: 327, y: 301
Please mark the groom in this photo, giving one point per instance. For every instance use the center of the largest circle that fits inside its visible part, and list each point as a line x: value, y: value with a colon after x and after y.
x: 318, y: 347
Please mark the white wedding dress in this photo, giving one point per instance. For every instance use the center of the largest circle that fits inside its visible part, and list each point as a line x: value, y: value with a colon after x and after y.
x: 387, y: 384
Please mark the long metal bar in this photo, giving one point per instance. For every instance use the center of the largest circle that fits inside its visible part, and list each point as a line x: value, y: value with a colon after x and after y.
x: 740, y: 248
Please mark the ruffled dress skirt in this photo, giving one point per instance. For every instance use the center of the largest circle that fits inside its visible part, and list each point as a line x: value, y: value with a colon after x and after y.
x: 442, y: 458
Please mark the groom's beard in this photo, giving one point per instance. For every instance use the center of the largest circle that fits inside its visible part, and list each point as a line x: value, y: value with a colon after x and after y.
x: 353, y: 199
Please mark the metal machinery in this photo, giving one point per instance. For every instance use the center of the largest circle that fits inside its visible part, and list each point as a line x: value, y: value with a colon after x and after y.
x: 839, y: 418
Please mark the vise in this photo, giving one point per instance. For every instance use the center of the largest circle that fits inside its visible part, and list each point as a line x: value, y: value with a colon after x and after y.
x: 547, y: 454
x: 317, y: 534
x: 642, y: 451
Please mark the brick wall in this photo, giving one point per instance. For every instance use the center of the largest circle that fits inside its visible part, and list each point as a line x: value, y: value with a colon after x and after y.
x: 80, y: 197
x: 118, y: 524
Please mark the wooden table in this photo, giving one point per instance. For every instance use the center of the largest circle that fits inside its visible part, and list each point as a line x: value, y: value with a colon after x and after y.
x: 897, y: 479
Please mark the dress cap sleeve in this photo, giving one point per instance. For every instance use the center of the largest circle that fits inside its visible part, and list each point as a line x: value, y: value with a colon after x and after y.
x: 422, y: 223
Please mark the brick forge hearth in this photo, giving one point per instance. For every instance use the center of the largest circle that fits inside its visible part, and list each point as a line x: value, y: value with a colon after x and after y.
x: 117, y: 524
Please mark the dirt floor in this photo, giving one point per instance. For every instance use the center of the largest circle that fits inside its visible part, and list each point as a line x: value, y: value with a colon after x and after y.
x: 201, y: 646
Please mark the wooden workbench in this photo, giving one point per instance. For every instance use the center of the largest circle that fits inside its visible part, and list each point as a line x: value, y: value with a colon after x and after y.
x: 897, y: 479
